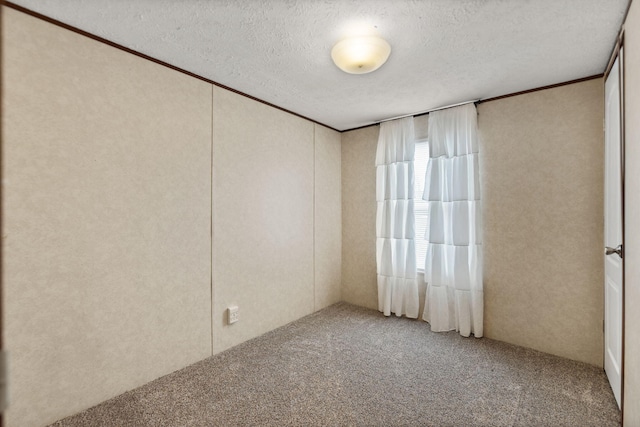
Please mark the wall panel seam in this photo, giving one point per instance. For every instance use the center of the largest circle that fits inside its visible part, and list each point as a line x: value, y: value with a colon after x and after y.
x: 315, y: 183
x: 211, y: 224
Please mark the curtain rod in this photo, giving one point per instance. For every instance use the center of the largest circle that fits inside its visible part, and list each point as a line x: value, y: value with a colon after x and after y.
x: 422, y: 113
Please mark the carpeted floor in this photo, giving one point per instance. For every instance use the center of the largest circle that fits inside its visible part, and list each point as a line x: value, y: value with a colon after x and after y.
x: 349, y: 366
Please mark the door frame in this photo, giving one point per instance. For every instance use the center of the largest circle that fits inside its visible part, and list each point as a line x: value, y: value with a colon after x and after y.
x: 618, y: 53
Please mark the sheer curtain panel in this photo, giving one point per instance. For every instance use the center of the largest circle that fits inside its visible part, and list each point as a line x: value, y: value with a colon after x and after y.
x: 453, y: 266
x: 395, y: 245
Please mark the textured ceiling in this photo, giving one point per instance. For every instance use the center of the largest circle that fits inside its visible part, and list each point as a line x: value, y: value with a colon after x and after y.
x: 443, y: 51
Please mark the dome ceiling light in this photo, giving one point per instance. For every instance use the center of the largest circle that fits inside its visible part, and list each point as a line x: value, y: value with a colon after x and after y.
x: 360, y: 55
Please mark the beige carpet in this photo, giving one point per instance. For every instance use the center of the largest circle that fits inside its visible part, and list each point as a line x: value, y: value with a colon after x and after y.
x: 349, y: 366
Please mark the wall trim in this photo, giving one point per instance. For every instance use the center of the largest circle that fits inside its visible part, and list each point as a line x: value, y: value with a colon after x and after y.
x: 570, y: 82
x: 495, y: 98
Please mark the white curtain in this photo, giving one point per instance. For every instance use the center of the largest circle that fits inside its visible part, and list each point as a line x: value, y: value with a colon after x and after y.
x: 453, y: 266
x: 396, y: 251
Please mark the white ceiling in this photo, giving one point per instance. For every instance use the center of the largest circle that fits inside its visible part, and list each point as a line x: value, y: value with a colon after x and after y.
x: 443, y: 51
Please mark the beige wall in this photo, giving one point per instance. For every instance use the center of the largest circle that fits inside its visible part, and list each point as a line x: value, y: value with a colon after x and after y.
x: 110, y: 167
x: 276, y: 217
x: 263, y: 217
x: 359, y: 217
x: 542, y: 189
x: 327, y: 217
x: 632, y: 213
x: 106, y: 220
x: 542, y: 182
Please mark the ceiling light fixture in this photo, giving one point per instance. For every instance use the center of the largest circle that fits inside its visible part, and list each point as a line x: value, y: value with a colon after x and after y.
x: 360, y: 55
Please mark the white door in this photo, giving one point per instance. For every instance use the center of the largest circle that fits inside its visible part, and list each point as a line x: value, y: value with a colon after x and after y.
x: 613, y: 264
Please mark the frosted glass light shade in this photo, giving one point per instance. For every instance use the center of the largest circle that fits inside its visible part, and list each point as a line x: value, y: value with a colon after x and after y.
x: 360, y: 55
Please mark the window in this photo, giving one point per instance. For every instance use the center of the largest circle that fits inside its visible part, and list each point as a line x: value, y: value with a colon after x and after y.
x: 421, y: 207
